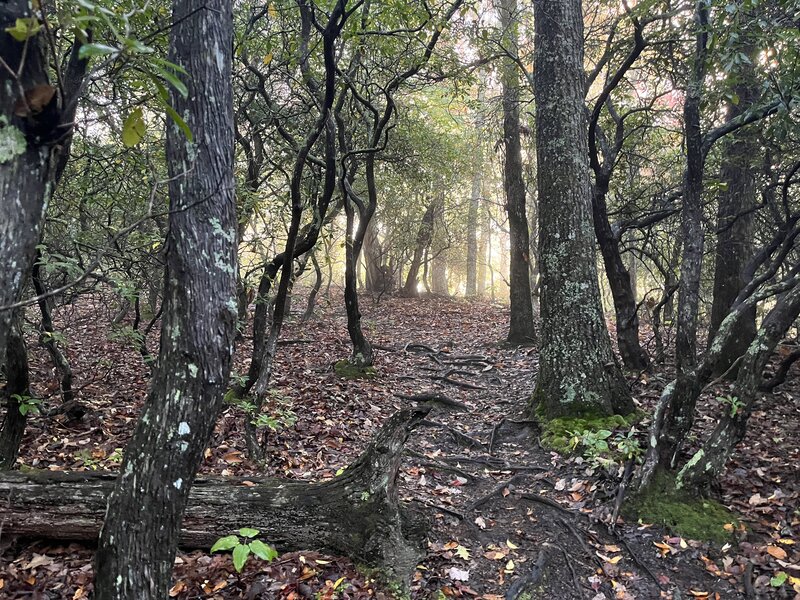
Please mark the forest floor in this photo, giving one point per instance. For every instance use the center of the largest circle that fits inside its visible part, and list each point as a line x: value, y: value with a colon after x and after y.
x: 500, y: 506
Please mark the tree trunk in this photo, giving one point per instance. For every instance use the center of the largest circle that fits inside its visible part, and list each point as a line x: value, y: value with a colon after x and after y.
x: 708, y: 463
x: 312, y: 296
x: 735, y: 226
x: 475, y: 198
x: 619, y: 280
x: 26, y: 137
x: 17, y: 386
x: 424, y: 237
x: 138, y: 540
x: 362, y: 355
x: 577, y: 371
x: 375, y: 279
x: 356, y: 514
x: 521, y: 329
x: 35, y: 134
x: 678, y: 415
x: 484, y: 242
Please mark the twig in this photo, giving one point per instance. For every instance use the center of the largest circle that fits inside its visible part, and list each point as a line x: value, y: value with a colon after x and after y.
x: 435, y: 398
x: 463, y: 438
x: 493, y: 439
x: 575, y: 581
x: 623, y: 487
x: 639, y: 562
x: 494, y: 492
x: 520, y: 585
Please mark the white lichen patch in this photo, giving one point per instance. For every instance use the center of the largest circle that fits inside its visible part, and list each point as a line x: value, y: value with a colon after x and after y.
x: 12, y: 141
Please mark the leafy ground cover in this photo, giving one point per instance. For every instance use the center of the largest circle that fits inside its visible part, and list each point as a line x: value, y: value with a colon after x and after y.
x: 502, y: 506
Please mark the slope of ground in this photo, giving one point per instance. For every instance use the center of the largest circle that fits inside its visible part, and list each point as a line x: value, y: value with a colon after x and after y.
x: 504, y: 513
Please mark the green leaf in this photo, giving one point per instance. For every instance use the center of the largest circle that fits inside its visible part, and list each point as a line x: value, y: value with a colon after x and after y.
x: 179, y: 122
x: 173, y: 80
x: 24, y: 29
x: 248, y: 532
x: 225, y: 543
x: 603, y: 434
x: 779, y: 579
x: 90, y: 50
x: 133, y: 129
x: 263, y: 551
x: 240, y: 554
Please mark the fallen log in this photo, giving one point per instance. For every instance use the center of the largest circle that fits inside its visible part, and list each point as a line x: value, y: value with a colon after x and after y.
x: 356, y: 514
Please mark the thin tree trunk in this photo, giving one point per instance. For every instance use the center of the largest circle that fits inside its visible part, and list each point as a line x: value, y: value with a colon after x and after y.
x: 312, y: 296
x: 137, y: 544
x: 577, y: 371
x: 424, y: 237
x: 475, y: 198
x: 708, y: 463
x: 521, y: 329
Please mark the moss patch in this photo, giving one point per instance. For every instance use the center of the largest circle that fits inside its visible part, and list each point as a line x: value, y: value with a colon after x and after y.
x: 689, y: 516
x: 557, y: 434
x: 347, y: 370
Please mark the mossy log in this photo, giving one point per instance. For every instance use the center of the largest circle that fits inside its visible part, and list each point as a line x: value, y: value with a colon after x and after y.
x: 356, y: 514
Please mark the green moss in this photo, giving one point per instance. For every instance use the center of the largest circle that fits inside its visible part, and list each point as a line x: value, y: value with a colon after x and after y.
x: 344, y: 368
x: 689, y: 516
x: 557, y: 434
x: 392, y: 586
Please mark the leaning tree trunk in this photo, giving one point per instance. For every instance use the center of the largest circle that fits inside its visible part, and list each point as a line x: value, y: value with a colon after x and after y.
x: 424, y: 237
x: 356, y: 514
x: 735, y: 226
x: 619, y: 280
x: 678, y: 415
x: 521, y: 329
x: 577, y: 371
x: 138, y: 540
x: 708, y: 463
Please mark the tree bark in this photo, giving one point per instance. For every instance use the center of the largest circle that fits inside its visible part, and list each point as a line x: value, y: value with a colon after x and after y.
x: 475, y: 199
x: 577, y: 371
x: 356, y: 514
x: 709, y: 462
x: 17, y: 385
x: 138, y: 540
x: 521, y: 329
x: 424, y: 237
x: 735, y: 226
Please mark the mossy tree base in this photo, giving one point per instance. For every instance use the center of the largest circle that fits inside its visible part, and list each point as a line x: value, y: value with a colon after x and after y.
x: 557, y: 434
x: 680, y: 512
x: 347, y: 370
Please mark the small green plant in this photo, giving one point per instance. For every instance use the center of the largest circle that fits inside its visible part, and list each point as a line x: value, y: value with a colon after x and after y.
x: 278, y: 416
x: 627, y: 445
x: 88, y: 460
x: 116, y: 456
x: 733, y: 402
x: 243, y: 546
x: 28, y: 405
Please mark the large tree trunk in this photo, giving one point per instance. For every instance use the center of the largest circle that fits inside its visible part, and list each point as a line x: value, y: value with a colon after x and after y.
x: 356, y: 514
x: 577, y: 371
x: 138, y: 540
x: 36, y: 123
x: 735, y: 226
x: 26, y: 133
x: 521, y: 329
